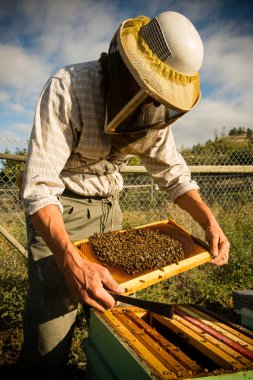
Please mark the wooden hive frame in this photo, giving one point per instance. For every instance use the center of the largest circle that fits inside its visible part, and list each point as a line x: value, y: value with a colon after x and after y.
x: 196, y: 253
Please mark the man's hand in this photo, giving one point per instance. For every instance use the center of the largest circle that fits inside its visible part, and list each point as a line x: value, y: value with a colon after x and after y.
x: 89, y: 281
x: 219, y: 245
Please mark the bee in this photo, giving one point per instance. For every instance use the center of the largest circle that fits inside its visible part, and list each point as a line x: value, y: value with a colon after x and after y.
x: 137, y: 250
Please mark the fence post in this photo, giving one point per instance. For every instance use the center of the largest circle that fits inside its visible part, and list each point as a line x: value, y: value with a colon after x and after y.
x: 13, y: 241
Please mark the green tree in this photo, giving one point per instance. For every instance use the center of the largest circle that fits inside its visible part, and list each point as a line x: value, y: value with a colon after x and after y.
x: 249, y: 133
x: 233, y: 132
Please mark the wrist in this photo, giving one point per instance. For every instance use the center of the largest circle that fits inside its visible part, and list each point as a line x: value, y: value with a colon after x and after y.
x: 71, y: 258
x: 62, y: 252
x: 208, y: 220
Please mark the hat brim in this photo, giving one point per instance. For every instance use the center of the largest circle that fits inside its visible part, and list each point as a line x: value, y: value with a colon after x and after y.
x: 169, y: 87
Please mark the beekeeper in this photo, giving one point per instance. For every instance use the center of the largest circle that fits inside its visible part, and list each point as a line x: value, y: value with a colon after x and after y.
x: 91, y: 117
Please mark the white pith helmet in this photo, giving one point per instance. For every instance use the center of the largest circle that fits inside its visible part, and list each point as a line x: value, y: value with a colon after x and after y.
x: 183, y: 42
x: 164, y: 55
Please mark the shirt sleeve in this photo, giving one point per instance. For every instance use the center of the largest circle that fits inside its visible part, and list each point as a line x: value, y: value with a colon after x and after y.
x: 167, y: 167
x: 49, y: 147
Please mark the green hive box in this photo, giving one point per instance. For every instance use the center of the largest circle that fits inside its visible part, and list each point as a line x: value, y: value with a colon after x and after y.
x: 127, y: 343
x: 243, y: 305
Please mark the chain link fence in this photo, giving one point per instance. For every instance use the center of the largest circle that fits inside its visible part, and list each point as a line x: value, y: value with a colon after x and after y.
x: 226, y: 189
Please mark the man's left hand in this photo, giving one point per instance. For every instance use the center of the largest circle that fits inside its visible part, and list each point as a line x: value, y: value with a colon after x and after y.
x: 219, y: 244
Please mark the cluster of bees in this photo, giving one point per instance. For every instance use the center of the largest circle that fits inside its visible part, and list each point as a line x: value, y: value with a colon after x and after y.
x: 136, y: 250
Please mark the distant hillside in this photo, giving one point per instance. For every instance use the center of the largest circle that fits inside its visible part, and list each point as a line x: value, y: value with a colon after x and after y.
x: 240, y: 139
x: 241, y: 135
x: 236, y: 148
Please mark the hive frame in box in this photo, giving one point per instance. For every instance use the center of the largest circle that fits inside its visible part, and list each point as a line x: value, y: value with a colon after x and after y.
x: 196, y: 253
x: 131, y: 345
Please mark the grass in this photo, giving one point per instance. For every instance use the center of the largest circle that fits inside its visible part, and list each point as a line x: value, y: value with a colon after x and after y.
x: 207, y: 285
x: 13, y: 287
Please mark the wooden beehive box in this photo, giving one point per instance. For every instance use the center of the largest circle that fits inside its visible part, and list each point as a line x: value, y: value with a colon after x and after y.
x: 130, y: 343
x: 195, y: 254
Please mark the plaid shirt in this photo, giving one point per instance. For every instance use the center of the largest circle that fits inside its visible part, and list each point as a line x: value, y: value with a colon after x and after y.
x: 69, y: 149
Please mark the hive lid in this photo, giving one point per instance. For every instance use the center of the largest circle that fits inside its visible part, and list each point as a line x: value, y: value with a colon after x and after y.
x: 195, y: 254
x: 243, y: 298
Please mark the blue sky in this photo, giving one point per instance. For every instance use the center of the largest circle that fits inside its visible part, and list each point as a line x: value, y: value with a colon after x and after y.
x: 37, y: 37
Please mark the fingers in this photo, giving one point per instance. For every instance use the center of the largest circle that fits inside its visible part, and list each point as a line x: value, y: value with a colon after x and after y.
x: 220, y: 260
x: 220, y: 251
x: 100, y: 300
x: 222, y: 257
x: 108, y: 281
x: 219, y: 245
x: 214, y: 243
x: 92, y: 281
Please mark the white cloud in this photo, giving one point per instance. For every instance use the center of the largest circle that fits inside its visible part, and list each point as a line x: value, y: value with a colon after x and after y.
x: 9, y: 106
x: 209, y: 116
x: 4, y: 97
x: 21, y: 69
x: 14, y: 132
x: 69, y: 32
x: 196, y: 10
x: 53, y: 34
x: 228, y: 63
x: 16, y: 108
x: 22, y: 127
x: 22, y: 77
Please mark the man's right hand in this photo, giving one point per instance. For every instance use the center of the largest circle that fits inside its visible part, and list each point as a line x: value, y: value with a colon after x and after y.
x: 89, y: 280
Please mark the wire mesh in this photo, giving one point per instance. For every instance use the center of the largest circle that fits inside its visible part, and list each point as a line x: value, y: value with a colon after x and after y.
x: 229, y: 196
